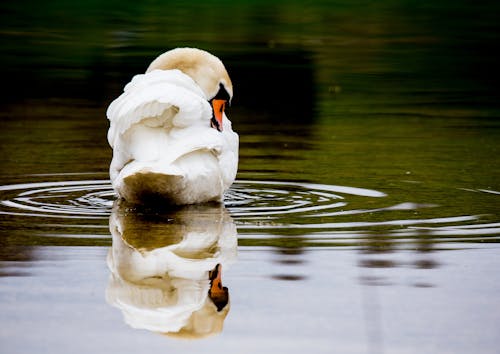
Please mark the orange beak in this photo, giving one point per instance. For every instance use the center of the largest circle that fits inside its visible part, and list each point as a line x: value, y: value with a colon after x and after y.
x: 218, y: 107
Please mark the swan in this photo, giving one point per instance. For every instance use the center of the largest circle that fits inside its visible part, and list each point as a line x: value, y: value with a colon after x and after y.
x: 172, y: 141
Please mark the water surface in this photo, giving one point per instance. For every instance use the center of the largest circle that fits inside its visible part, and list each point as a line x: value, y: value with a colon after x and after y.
x: 366, y: 213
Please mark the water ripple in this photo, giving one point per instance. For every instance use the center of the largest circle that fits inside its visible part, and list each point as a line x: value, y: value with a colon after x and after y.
x: 68, y: 199
x: 94, y: 198
x: 263, y: 210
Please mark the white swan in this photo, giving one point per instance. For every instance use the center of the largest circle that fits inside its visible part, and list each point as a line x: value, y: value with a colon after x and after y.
x: 171, y: 139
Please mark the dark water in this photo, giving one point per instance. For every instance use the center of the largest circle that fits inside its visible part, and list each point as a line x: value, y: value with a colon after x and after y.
x: 365, y: 217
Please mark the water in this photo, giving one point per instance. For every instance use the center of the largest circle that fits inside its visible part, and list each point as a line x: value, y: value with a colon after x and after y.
x: 365, y: 217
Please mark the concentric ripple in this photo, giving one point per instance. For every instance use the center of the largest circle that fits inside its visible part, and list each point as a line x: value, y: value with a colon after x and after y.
x: 67, y: 199
x: 324, y: 214
x: 263, y: 199
x: 94, y: 198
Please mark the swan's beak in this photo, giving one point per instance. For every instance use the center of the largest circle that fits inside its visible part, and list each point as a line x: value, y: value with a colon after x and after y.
x: 218, y: 107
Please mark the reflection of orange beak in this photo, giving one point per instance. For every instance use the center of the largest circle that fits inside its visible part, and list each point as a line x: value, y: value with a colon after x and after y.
x: 218, y: 293
x: 218, y: 107
x: 216, y: 288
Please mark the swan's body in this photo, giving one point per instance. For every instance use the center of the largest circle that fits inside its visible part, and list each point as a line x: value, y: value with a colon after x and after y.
x: 171, y: 140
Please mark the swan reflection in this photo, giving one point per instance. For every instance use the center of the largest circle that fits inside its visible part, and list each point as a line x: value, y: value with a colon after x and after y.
x: 166, y: 268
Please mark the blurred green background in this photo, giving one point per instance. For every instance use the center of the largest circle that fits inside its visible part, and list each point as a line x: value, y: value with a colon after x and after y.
x: 354, y: 69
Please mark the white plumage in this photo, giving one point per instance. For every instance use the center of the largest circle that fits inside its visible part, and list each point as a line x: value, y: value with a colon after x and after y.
x: 164, y: 146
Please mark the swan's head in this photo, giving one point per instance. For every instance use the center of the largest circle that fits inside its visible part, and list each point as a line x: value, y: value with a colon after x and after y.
x: 206, y: 70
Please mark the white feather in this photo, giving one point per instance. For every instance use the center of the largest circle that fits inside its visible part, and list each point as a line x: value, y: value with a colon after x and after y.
x: 163, y: 143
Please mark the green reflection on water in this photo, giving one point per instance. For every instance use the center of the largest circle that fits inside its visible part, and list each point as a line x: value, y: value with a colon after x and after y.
x: 399, y: 97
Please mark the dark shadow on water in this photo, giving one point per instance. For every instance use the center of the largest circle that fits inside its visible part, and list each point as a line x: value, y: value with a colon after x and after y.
x: 275, y: 85
x: 272, y: 86
x: 289, y: 277
x: 15, y: 260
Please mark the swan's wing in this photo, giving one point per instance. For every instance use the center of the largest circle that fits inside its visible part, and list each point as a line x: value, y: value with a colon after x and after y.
x: 171, y: 95
x: 228, y: 159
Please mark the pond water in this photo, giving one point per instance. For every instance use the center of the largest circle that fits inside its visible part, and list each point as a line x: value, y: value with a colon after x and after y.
x: 366, y: 213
